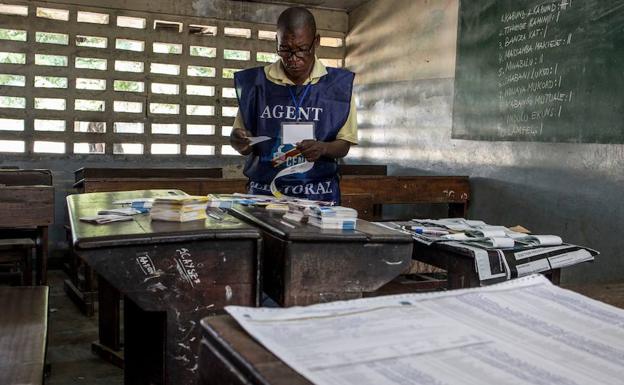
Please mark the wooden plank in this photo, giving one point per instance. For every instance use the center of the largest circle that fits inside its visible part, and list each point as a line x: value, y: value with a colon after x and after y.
x: 23, y: 334
x: 362, y: 169
x: 362, y: 202
x: 25, y: 177
x: 193, y: 186
x: 224, y: 186
x: 26, y: 206
x: 190, y: 186
x: 409, y: 189
x: 117, y: 173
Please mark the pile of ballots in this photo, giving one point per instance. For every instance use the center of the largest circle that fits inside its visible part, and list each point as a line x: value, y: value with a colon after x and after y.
x: 324, y: 217
x: 500, y: 252
x: 182, y: 208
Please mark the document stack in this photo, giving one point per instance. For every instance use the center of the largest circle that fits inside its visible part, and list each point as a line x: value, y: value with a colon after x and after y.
x: 182, y: 208
x: 333, y: 217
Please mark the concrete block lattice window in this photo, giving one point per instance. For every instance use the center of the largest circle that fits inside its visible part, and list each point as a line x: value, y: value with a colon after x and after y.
x: 88, y: 81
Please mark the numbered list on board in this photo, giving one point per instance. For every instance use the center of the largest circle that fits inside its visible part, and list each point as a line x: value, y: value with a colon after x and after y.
x: 531, y: 78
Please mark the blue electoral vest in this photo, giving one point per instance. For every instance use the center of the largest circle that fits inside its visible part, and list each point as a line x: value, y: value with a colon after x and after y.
x: 264, y: 105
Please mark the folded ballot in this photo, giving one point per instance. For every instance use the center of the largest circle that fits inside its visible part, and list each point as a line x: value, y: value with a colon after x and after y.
x: 103, y: 219
x: 540, y: 240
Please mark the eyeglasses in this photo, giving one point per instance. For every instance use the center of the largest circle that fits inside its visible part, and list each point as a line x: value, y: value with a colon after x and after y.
x: 300, y: 53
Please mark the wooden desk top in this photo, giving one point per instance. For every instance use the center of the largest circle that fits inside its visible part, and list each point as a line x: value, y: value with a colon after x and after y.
x: 142, y: 230
x: 224, y: 339
x: 272, y: 222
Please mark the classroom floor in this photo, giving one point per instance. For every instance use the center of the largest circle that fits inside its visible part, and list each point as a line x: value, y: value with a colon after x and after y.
x: 71, y: 334
x: 69, y: 343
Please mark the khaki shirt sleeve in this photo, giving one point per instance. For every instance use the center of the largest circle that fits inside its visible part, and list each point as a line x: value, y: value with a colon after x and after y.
x: 238, y: 121
x: 348, y: 132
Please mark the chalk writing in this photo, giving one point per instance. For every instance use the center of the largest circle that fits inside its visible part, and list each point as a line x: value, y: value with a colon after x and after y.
x: 146, y: 264
x: 531, y: 86
x: 186, y: 267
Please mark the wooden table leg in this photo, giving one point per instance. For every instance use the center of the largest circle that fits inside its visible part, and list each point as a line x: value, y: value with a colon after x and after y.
x: 28, y: 277
x: 109, y: 345
x: 41, y: 267
x: 145, y: 345
x: 554, y: 276
x: 457, y: 210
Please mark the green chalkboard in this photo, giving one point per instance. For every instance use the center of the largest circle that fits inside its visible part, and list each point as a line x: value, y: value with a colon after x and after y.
x: 543, y: 71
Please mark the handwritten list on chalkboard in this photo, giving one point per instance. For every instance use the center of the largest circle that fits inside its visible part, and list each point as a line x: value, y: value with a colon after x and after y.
x: 540, y: 71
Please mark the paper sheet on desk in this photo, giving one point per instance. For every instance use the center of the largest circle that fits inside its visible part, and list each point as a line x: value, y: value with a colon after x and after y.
x: 525, y: 331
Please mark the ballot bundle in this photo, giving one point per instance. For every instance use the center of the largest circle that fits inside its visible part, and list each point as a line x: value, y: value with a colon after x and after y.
x: 325, y: 217
x: 182, y: 208
x: 333, y: 217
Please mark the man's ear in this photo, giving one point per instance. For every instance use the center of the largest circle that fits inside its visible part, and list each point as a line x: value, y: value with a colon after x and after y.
x: 317, y: 40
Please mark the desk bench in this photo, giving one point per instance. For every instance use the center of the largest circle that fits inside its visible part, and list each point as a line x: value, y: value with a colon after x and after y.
x: 27, y: 207
x: 17, y: 251
x: 23, y: 334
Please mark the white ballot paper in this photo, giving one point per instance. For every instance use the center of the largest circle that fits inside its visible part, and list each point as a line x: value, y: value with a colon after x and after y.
x: 257, y: 139
x: 526, y: 332
x: 295, y: 132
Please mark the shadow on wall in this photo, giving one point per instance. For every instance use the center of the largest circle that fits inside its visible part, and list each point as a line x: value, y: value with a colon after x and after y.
x: 568, y: 207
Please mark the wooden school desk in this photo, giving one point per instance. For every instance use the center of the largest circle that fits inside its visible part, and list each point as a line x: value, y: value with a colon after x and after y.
x: 303, y: 264
x: 82, y: 287
x: 94, y: 179
x: 26, y: 210
x: 228, y: 355
x: 461, y: 268
x: 170, y: 274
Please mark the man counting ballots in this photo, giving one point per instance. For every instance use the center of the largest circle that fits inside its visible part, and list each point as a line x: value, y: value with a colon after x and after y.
x: 305, y: 109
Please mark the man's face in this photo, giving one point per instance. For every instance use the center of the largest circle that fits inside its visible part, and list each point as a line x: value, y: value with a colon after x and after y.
x: 296, y: 51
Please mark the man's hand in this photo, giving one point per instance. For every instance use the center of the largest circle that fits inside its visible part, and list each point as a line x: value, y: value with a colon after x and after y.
x: 239, y: 139
x: 312, y: 149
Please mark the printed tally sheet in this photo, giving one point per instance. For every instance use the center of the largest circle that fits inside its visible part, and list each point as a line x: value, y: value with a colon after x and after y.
x: 524, y: 331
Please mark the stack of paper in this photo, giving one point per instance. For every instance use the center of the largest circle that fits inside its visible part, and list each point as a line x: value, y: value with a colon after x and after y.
x: 527, y: 331
x: 182, y: 208
x: 334, y: 217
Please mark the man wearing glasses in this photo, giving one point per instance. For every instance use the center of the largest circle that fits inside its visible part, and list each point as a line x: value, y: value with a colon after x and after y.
x: 305, y: 108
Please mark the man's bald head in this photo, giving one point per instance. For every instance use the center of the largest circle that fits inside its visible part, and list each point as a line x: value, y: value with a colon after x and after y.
x: 295, y: 19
